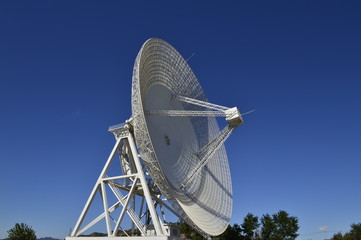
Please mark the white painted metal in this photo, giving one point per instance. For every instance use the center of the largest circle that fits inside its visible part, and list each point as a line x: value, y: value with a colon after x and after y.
x: 127, y: 238
x: 179, y: 139
x: 179, y: 113
x: 233, y: 116
x: 132, y: 175
x: 201, y: 103
x: 95, y: 189
x: 206, y: 153
x: 148, y: 198
x: 179, y: 143
x: 105, y: 203
x: 97, y: 219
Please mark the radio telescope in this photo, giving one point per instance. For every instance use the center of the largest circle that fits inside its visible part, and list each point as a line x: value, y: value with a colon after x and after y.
x: 171, y: 153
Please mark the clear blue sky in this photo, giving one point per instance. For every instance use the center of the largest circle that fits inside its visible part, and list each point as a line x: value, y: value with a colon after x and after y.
x: 65, y: 76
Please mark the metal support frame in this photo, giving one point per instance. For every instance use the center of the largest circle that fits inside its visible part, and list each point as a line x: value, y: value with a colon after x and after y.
x: 133, y: 174
x: 207, y: 152
x: 135, y: 181
x: 232, y: 115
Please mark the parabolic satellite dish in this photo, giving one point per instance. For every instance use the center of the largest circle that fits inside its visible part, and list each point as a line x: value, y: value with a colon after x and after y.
x: 174, y: 133
x: 178, y: 140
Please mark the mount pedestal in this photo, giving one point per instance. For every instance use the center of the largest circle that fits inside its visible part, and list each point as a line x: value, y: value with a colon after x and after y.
x: 146, y: 222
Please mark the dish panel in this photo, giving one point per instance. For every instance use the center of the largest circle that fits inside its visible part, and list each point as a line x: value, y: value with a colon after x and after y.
x: 168, y: 145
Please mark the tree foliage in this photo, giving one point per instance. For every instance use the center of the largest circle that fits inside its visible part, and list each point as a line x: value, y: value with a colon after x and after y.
x: 231, y: 233
x: 279, y: 226
x: 268, y: 227
x: 356, y: 231
x: 286, y: 226
x: 249, y: 226
x: 190, y: 233
x: 353, y: 234
x: 337, y: 236
x: 21, y: 232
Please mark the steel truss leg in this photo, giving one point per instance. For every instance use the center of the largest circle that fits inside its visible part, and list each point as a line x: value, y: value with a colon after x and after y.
x: 137, y: 175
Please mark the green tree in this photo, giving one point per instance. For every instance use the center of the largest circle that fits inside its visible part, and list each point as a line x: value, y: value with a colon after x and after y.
x: 279, y: 226
x: 249, y: 226
x: 21, y: 232
x: 337, y: 236
x: 353, y: 234
x: 355, y: 231
x: 286, y: 226
x: 268, y: 227
x: 231, y: 233
x: 190, y: 233
x: 347, y: 236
